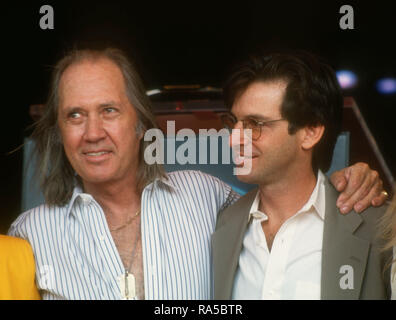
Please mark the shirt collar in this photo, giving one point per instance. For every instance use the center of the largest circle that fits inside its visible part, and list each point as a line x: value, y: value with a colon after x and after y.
x: 160, y: 183
x: 86, y: 198
x: 316, y: 200
x: 255, y: 212
x: 77, y: 192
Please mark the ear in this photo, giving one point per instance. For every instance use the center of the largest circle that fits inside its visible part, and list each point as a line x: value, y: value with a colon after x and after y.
x: 140, y: 130
x: 310, y: 136
x: 141, y: 135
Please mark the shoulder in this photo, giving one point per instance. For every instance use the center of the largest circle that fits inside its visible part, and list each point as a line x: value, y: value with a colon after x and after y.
x: 370, y: 220
x: 34, y: 219
x: 17, y: 270
x: 201, y: 188
x: 12, y: 246
x: 11, y: 242
x: 364, y: 224
x: 373, y: 214
x: 191, y: 174
x: 240, y: 208
x: 194, y: 178
x: 372, y: 217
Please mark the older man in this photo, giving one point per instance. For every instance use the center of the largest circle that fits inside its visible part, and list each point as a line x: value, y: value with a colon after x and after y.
x: 114, y: 227
x: 287, y: 239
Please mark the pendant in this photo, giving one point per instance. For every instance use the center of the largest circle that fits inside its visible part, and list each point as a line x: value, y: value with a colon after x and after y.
x: 127, y: 286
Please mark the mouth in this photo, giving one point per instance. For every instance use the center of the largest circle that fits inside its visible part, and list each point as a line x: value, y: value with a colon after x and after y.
x: 96, y: 155
x: 240, y: 158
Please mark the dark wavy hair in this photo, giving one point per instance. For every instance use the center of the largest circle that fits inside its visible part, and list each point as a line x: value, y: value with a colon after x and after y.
x: 313, y: 95
x: 57, y: 177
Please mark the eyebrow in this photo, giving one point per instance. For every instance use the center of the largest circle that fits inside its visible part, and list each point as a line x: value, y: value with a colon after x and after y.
x: 109, y: 104
x: 256, y: 116
x: 72, y: 109
x: 69, y: 110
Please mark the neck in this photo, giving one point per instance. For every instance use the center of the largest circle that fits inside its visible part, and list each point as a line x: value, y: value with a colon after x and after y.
x: 282, y: 199
x: 117, y: 199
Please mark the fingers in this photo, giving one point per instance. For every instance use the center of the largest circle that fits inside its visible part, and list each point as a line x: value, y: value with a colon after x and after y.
x: 375, y: 192
x: 361, y: 187
x: 380, y: 200
x: 356, y: 176
x: 356, y: 191
x: 339, y: 180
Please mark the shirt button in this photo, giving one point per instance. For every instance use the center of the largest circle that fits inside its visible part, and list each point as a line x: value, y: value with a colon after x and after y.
x: 101, y: 238
x: 86, y: 199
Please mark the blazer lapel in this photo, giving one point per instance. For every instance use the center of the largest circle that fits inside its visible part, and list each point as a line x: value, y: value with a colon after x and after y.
x: 227, y: 244
x: 344, y: 255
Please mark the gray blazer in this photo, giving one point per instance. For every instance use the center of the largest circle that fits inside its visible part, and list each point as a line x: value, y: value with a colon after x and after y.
x: 347, y: 240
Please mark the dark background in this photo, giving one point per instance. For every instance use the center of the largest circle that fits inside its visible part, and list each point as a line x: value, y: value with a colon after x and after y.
x: 189, y: 42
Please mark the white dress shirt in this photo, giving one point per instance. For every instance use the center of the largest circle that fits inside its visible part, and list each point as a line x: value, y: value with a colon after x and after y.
x: 76, y: 257
x: 292, y: 269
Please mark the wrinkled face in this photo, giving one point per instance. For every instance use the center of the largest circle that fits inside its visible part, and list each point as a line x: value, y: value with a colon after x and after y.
x: 274, y: 152
x: 97, y: 122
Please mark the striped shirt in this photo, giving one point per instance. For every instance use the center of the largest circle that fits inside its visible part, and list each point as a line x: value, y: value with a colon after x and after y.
x: 76, y: 257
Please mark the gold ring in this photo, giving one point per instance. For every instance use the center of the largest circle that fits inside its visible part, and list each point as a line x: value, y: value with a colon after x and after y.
x: 385, y: 193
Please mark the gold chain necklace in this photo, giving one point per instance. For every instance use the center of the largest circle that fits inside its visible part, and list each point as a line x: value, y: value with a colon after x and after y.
x: 129, y: 278
x: 126, y: 223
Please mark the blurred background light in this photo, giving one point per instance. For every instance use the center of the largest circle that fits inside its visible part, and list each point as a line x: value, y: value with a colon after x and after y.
x: 347, y: 79
x: 386, y: 85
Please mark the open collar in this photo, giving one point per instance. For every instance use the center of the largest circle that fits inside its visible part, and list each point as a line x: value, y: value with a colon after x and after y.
x: 79, y: 194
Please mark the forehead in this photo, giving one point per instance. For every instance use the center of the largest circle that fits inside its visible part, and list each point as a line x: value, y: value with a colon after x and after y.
x: 91, y: 80
x: 261, y: 98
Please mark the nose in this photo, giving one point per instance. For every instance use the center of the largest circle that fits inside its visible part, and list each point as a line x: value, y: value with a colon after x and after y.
x: 237, y: 135
x: 94, y: 130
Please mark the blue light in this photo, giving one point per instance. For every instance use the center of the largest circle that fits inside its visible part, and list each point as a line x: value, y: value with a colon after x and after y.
x: 386, y: 85
x: 347, y: 79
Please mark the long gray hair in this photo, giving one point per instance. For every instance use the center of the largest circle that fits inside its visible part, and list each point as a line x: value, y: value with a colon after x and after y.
x: 57, y: 177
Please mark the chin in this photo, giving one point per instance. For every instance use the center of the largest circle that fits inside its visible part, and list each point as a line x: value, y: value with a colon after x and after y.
x: 96, y: 177
x: 247, y: 178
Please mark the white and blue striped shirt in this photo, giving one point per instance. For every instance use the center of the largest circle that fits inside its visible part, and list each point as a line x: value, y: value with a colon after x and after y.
x: 76, y: 257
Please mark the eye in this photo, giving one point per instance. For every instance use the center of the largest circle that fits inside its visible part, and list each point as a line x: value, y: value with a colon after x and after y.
x: 228, y: 120
x: 110, y: 110
x: 74, y: 115
x: 252, y: 123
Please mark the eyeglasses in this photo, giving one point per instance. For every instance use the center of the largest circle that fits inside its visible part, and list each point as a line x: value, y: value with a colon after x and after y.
x: 229, y: 122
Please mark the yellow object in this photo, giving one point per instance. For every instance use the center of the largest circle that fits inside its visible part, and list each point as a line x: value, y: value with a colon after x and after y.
x: 17, y: 270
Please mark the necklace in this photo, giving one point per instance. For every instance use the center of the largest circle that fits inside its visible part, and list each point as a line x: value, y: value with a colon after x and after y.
x: 130, y: 219
x: 128, y: 289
